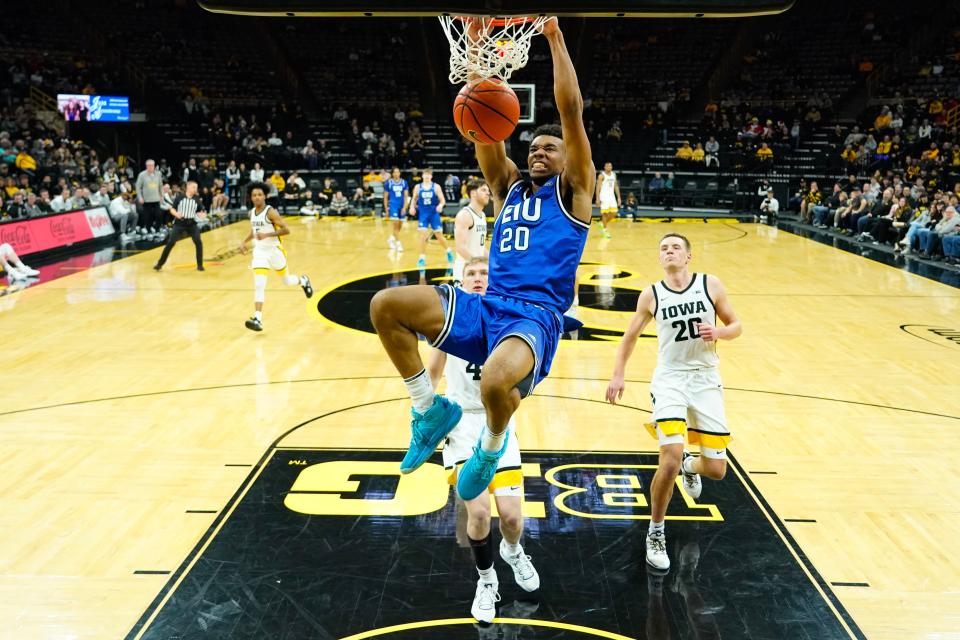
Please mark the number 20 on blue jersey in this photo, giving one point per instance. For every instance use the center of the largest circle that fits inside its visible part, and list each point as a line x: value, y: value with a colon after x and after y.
x: 517, y: 238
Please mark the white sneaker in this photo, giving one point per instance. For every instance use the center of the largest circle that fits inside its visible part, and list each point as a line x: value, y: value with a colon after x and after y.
x: 28, y: 271
x: 485, y: 601
x: 392, y: 242
x: 691, y: 481
x: 657, y: 551
x: 399, y: 248
x: 523, y: 570
x: 14, y: 273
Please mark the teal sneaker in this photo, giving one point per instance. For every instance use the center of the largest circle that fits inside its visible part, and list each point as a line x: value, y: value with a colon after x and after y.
x: 449, y: 256
x: 429, y: 428
x: 421, y: 263
x: 477, y: 472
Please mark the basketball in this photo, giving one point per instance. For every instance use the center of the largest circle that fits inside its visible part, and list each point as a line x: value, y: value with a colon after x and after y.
x: 486, y: 111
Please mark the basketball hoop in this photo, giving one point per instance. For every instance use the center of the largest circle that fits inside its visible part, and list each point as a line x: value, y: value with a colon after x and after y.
x: 501, y: 47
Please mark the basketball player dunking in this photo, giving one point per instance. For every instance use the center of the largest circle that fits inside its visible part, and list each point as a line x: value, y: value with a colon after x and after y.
x: 266, y: 229
x: 538, y: 238
x: 608, y: 198
x: 470, y: 227
x: 463, y: 387
x: 686, y: 390
x: 426, y: 203
x: 396, y: 199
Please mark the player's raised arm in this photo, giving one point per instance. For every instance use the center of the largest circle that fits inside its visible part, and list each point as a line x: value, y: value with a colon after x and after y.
x: 579, y: 172
x: 640, y: 320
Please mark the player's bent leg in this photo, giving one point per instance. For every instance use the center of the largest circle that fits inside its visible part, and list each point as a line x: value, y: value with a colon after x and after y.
x: 661, y: 490
x: 712, y: 463
x: 399, y: 315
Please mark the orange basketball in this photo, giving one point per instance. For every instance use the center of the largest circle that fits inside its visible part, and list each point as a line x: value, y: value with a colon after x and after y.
x: 486, y: 111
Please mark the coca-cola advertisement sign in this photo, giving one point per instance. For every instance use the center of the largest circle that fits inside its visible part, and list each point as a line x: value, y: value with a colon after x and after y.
x: 51, y: 232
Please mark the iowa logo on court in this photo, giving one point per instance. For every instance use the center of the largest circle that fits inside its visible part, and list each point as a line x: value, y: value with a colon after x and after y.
x: 337, y: 544
x: 938, y: 335
x: 347, y: 304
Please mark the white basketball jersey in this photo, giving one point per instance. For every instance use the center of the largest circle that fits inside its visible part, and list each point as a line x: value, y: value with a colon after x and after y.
x: 607, y: 187
x: 476, y: 242
x: 260, y: 222
x: 463, y: 383
x: 677, y: 313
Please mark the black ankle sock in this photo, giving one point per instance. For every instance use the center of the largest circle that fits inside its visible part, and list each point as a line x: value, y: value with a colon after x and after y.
x: 482, y: 552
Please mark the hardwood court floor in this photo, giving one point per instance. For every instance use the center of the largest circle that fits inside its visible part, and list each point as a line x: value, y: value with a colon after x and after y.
x: 135, y: 404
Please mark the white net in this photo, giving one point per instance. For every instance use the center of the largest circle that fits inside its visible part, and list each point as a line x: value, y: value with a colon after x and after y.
x: 488, y: 47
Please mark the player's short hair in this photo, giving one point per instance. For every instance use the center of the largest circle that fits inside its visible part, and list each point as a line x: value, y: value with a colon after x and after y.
x: 258, y: 185
x: 686, y: 243
x: 427, y: 170
x: 473, y: 185
x: 548, y: 130
x: 476, y: 260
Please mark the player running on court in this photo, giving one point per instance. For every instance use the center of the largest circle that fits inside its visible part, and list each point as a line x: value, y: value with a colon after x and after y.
x: 686, y: 390
x: 470, y: 227
x: 538, y: 238
x: 396, y: 200
x: 427, y: 203
x: 266, y: 229
x: 463, y: 387
x: 608, y: 197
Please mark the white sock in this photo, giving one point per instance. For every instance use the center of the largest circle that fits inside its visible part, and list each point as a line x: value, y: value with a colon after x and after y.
x: 656, y: 527
x: 511, y: 549
x: 687, y: 465
x: 421, y: 390
x: 492, y: 442
x: 423, y: 256
x: 488, y: 576
x: 258, y: 315
x: 291, y: 279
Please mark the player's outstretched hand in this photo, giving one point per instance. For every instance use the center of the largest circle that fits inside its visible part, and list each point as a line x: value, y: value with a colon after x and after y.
x: 708, y: 332
x: 615, y: 390
x: 550, y: 26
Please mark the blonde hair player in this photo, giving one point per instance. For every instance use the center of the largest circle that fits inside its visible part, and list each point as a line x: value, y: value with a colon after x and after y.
x: 266, y: 229
x: 686, y: 390
x: 608, y: 197
x: 470, y: 227
x: 463, y: 387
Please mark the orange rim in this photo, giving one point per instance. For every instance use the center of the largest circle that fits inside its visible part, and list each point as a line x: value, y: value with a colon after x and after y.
x: 500, y: 22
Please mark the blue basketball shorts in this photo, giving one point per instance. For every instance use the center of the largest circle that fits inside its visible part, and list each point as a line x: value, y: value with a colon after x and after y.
x: 395, y: 210
x: 474, y: 325
x: 429, y: 219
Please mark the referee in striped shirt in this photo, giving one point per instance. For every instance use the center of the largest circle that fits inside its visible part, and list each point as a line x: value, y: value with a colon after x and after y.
x: 187, y: 209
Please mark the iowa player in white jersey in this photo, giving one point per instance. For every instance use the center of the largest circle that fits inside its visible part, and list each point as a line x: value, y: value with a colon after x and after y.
x: 608, y: 197
x: 470, y: 227
x: 686, y: 390
x: 266, y: 229
x: 463, y: 386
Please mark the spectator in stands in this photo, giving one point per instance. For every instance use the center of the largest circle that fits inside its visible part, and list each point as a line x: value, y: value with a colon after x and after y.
x: 100, y: 197
x: 293, y: 191
x: 684, y: 154
x: 124, y: 215
x: 925, y: 130
x: 811, y: 199
x: 78, y: 201
x: 256, y: 174
x: 883, y: 120
x: 278, y: 185
x: 31, y: 208
x: 849, y: 156
x: 712, y: 149
x: 769, y: 208
x: 451, y: 187
x: 190, y: 173
x: 698, y: 156
x: 615, y: 132
x: 232, y: 183
x: 26, y: 163
x: 339, y: 205
x: 44, y: 203
x: 856, y: 206
x: 824, y: 211
x: 16, y: 208
x: 881, y: 209
x: 358, y: 201
x: 149, y: 194
x: 931, y: 240
x: 765, y: 154
x: 59, y: 203
x: 656, y: 187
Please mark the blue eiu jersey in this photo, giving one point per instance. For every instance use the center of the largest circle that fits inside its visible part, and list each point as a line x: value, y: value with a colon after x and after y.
x: 395, y: 189
x: 536, y: 247
x: 427, y: 199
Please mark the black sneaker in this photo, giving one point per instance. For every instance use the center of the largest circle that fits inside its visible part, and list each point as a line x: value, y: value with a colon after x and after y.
x: 254, y: 324
x: 157, y: 267
x: 307, y: 287
x: 200, y: 268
